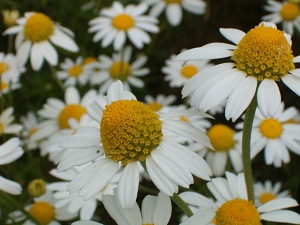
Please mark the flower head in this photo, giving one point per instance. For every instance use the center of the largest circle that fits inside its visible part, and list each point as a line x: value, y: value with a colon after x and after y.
x: 131, y: 133
x: 6, y: 118
x: 35, y: 34
x: 261, y: 57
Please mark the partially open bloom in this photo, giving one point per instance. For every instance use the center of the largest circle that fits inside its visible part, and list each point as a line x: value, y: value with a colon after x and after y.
x: 10, y: 17
x: 35, y: 34
x: 232, y: 206
x: 174, y: 8
x: 117, y: 22
x: 9, y: 152
x: 131, y: 133
x: 276, y: 136
x: 265, y: 192
x: 155, y: 210
x: 260, y: 58
x: 6, y: 119
x: 286, y: 12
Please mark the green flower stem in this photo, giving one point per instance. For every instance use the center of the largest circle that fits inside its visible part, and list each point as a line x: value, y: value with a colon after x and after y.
x: 246, y: 139
x: 182, y: 205
x: 6, y: 198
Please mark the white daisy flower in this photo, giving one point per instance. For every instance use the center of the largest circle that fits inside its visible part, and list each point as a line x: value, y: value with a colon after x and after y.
x: 265, y: 192
x: 119, y: 67
x: 286, y: 12
x: 232, y: 206
x: 56, y: 113
x: 226, y: 145
x: 35, y: 34
x: 174, y: 8
x: 43, y: 210
x: 6, y: 119
x: 275, y: 135
x: 73, y: 202
x: 30, y: 124
x: 9, y: 67
x: 155, y: 210
x: 132, y: 133
x: 178, y: 73
x: 7, y: 85
x: 160, y: 101
x: 117, y: 22
x: 9, y: 152
x: 260, y: 58
x: 73, y: 72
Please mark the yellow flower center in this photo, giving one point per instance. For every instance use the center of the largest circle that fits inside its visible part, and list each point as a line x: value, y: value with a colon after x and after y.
x: 70, y: 111
x: 264, y: 53
x: 123, y: 22
x: 237, y: 212
x: 221, y: 137
x: 120, y: 70
x: 266, y: 197
x: 75, y: 71
x: 290, y: 11
x: 3, y: 86
x: 130, y: 130
x: 3, y: 67
x: 43, y: 212
x: 32, y: 131
x: 88, y: 60
x: 38, y: 28
x: 270, y: 128
x: 173, y: 1
x: 155, y: 106
x: 188, y: 71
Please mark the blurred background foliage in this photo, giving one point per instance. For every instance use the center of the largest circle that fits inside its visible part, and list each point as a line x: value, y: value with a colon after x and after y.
x: 194, y: 31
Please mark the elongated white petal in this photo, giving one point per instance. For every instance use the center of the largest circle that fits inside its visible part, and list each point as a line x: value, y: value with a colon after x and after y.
x: 276, y: 204
x: 233, y: 35
x: 282, y: 216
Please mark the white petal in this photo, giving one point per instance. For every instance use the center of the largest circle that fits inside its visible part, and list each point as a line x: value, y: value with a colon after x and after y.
x: 276, y: 204
x: 233, y: 35
x: 174, y: 14
x: 292, y: 82
x: 283, y: 216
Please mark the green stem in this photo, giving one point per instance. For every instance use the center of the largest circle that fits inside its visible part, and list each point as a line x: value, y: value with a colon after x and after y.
x: 246, y: 146
x: 12, y: 202
x: 182, y: 205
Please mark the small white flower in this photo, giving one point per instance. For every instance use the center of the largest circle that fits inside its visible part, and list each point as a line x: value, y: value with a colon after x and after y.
x: 6, y: 119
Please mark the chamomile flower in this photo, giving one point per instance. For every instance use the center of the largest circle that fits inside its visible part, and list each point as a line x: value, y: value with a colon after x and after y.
x: 73, y: 72
x: 275, y: 135
x: 265, y: 192
x: 117, y: 22
x: 119, y: 67
x: 178, y: 73
x: 132, y: 133
x: 6, y: 119
x: 226, y: 145
x: 30, y: 124
x: 155, y: 210
x: 36, y: 33
x: 10, y: 17
x: 56, y: 113
x: 261, y: 57
x: 160, y: 101
x: 233, y: 207
x: 7, y: 85
x: 9, y: 152
x: 286, y: 12
x: 9, y: 67
x: 174, y: 8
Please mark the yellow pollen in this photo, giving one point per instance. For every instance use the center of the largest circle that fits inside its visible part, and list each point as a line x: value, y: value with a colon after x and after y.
x: 189, y: 71
x: 123, y: 22
x: 32, y: 131
x: 221, y: 137
x: 155, y: 106
x: 130, y: 130
x: 173, y: 1
x: 3, y: 86
x: 88, y: 60
x: 184, y: 119
x: 270, y: 128
x: 266, y: 197
x: 292, y: 121
x: 120, y: 70
x: 70, y: 111
x: 3, y: 67
x: 237, y: 212
x: 38, y: 28
x: 43, y: 212
x: 1, y: 129
x: 264, y: 53
x: 290, y: 11
x: 75, y: 71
